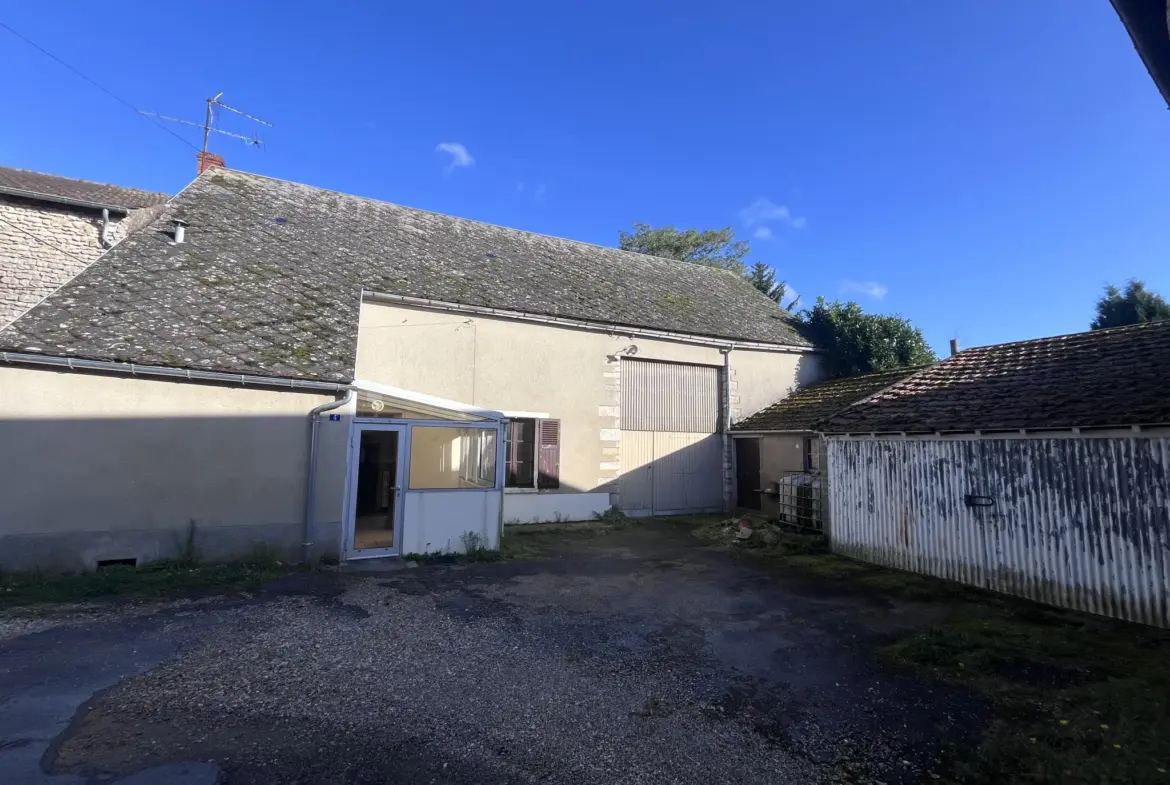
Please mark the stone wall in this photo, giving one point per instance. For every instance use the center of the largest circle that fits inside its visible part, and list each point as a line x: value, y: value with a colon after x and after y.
x: 43, y: 245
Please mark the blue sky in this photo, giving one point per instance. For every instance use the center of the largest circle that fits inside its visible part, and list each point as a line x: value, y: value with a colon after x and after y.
x: 982, y: 167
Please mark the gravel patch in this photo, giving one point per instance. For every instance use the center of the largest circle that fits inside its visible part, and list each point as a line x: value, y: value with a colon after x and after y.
x: 614, y: 671
x: 474, y: 697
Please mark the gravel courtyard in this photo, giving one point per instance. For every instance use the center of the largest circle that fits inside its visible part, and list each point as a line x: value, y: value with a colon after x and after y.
x: 634, y: 657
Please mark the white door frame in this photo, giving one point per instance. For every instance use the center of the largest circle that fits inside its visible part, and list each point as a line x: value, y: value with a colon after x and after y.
x: 348, y: 523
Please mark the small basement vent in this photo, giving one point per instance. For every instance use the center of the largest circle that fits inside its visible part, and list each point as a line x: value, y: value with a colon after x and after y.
x: 103, y: 563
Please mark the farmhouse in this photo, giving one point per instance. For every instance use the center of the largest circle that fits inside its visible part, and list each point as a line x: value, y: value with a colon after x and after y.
x: 269, y: 362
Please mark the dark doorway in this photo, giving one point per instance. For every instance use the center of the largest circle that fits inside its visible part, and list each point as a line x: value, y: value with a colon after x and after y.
x: 747, y: 472
x: 377, y: 490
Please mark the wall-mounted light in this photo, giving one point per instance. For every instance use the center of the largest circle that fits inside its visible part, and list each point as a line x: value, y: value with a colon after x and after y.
x: 629, y: 351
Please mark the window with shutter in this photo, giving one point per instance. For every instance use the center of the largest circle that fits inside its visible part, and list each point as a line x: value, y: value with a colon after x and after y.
x: 520, y: 454
x: 549, y: 458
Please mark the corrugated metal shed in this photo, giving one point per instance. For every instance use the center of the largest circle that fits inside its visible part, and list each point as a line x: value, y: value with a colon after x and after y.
x: 1080, y: 522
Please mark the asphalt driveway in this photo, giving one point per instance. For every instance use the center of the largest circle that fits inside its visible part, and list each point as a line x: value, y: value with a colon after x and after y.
x: 639, y: 656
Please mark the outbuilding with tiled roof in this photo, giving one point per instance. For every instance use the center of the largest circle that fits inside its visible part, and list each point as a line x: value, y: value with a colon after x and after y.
x: 1039, y: 468
x: 779, y: 450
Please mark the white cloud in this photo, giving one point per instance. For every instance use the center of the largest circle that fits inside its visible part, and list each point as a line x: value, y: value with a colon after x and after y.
x: 872, y: 289
x: 540, y: 191
x: 459, y: 155
x: 763, y: 233
x: 763, y: 211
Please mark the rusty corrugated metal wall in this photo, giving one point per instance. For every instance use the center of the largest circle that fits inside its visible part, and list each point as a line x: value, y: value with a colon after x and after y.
x: 1079, y: 522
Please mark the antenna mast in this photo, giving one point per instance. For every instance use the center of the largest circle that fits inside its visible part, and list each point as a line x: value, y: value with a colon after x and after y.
x: 207, y: 120
x: 208, y: 124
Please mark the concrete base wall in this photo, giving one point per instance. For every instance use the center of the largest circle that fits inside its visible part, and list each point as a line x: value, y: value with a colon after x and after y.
x: 553, y: 507
x: 438, y: 521
x: 96, y: 467
x: 82, y: 550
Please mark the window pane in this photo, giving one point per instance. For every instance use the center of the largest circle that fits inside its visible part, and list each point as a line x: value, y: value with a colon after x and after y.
x: 521, y: 453
x: 443, y: 457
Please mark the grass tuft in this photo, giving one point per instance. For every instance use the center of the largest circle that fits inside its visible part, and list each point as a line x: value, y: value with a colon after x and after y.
x: 474, y: 550
x: 156, y: 580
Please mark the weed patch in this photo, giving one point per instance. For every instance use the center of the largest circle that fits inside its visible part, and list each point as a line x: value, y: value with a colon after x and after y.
x: 159, y: 579
x: 514, y: 546
x: 526, y: 541
x: 765, y: 539
x: 613, y: 518
x: 1076, y: 699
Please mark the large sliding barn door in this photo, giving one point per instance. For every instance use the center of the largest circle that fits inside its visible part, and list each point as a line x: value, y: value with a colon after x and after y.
x: 672, y: 453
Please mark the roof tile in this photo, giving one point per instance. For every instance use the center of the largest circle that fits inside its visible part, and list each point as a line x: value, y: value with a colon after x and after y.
x: 1100, y: 379
x: 291, y: 288
x: 805, y: 408
x: 52, y: 187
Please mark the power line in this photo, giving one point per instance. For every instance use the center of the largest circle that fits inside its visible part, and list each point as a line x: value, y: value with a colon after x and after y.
x: 43, y: 241
x: 105, y: 90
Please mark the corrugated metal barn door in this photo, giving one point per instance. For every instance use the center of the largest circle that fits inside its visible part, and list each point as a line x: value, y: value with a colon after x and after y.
x: 672, y: 453
x: 637, y: 473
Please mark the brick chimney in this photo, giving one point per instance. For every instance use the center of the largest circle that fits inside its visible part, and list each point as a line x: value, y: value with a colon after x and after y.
x: 208, y: 160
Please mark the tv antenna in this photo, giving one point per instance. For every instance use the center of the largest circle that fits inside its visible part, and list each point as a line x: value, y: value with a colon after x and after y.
x: 208, y: 124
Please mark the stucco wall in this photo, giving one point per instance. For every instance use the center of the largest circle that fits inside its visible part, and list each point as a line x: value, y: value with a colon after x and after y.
x: 567, y: 373
x: 108, y: 467
x: 43, y: 245
x: 780, y: 453
x: 759, y: 379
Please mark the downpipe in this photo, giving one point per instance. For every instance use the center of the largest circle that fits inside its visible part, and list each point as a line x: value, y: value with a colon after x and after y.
x: 728, y: 467
x: 311, y: 491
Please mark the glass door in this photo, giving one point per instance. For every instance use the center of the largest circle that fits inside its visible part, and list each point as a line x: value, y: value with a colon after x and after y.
x: 377, y: 460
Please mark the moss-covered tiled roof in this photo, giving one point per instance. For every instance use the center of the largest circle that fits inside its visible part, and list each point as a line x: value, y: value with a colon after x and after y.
x: 804, y: 409
x: 270, y: 278
x: 1100, y: 379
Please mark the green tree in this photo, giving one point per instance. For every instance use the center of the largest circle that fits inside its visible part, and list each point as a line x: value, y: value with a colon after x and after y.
x: 712, y: 247
x: 852, y: 341
x: 1133, y: 306
x: 763, y: 278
